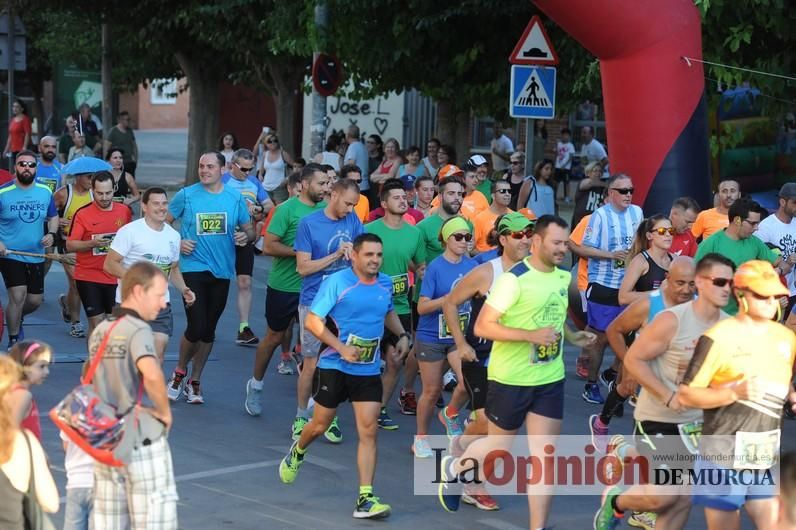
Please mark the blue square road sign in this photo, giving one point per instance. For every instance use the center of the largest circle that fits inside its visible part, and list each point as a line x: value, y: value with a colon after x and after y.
x: 533, y: 92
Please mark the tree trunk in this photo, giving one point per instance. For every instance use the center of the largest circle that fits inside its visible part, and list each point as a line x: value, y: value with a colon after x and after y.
x: 203, y: 108
x: 287, y: 76
x: 453, y: 128
x: 462, y: 141
x: 446, y: 127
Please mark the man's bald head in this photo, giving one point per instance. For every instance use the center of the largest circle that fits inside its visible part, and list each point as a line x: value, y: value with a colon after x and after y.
x: 680, y: 287
x: 47, y: 148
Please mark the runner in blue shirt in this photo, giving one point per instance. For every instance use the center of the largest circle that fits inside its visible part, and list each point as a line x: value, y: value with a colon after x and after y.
x: 435, y: 343
x: 25, y: 205
x: 323, y: 246
x: 213, y: 221
x: 48, y: 172
x: 356, y: 304
x: 238, y: 178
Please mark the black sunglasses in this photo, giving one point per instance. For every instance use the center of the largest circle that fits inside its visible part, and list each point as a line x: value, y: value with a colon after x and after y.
x: 27, y: 164
x: 720, y: 282
x: 274, y: 141
x: 624, y: 191
x: 358, y: 181
x: 503, y: 191
x: 458, y: 237
x: 245, y: 169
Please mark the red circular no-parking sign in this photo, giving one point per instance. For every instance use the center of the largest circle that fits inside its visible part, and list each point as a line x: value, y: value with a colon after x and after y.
x: 327, y: 74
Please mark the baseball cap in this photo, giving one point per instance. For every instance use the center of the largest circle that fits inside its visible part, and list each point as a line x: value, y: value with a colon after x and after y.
x: 759, y: 277
x: 409, y: 181
x: 476, y: 160
x: 788, y: 191
x: 448, y: 170
x: 514, y: 222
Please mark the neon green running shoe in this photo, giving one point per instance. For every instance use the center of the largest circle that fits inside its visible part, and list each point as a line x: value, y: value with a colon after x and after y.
x: 289, y: 466
x: 370, y: 507
x: 333, y: 433
x: 298, y: 426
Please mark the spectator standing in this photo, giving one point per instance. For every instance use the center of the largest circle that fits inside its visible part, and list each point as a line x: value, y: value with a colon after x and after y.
x: 79, y: 148
x: 593, y: 151
x: 591, y: 192
x: 227, y: 145
x: 375, y: 147
x: 19, y: 132
x: 536, y: 192
x: 330, y: 155
x: 65, y: 140
x: 430, y: 160
x: 357, y: 155
x: 274, y: 168
x: 141, y: 494
x: 515, y: 177
x: 501, y: 148
x: 565, y: 151
x: 121, y: 135
x: 387, y: 169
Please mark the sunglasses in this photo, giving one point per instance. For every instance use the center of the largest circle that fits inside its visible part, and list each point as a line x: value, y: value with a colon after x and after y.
x: 358, y: 181
x: 272, y: 141
x: 720, y: 282
x: 624, y: 191
x: 504, y: 191
x: 245, y: 169
x: 519, y: 234
x: 516, y: 163
x: 467, y: 237
x: 661, y: 231
x: 760, y: 296
x: 27, y: 164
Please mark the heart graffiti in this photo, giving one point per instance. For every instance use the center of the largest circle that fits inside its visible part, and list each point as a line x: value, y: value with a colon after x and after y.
x: 380, y: 124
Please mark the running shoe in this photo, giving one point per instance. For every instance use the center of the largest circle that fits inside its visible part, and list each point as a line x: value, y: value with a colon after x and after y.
x: 21, y: 334
x: 298, y: 426
x: 607, y: 377
x: 64, y: 309
x: 254, y: 399
x: 617, y: 446
x: 449, y: 381
x: 452, y: 426
x: 289, y: 466
x: 421, y: 448
x: 174, y: 386
x: 333, y: 433
x: 247, y: 337
x: 606, y: 517
x: 582, y: 366
x: 450, y: 489
x: 476, y: 495
x: 386, y: 422
x: 591, y: 394
x: 440, y: 402
x: 77, y: 330
x: 645, y: 520
x: 285, y: 367
x: 407, y: 402
x: 370, y: 507
x: 599, y: 433
x: 193, y: 393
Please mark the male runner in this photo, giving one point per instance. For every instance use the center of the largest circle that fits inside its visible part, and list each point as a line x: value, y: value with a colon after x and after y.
x: 678, y: 288
x: 484, y: 222
x: 68, y: 200
x: 473, y: 201
x: 238, y: 178
x: 93, y: 228
x: 514, y: 232
x: 214, y: 220
x: 741, y: 376
x: 527, y: 307
x: 606, y: 242
x: 403, y: 253
x: 323, y: 246
x: 683, y: 213
x: 712, y: 220
x: 151, y: 239
x: 48, y: 172
x: 284, y: 283
x: 664, y: 426
x: 24, y: 207
x: 348, y: 315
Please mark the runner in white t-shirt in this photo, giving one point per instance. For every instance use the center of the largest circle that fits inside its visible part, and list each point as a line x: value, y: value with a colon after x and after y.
x: 779, y: 230
x: 151, y: 239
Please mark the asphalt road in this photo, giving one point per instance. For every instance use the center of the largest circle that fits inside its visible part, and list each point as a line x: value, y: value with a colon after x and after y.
x: 226, y: 462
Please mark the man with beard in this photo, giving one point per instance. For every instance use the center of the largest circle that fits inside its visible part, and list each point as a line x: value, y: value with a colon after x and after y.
x: 710, y: 221
x: 284, y: 283
x: 485, y: 221
x: 93, y: 229
x: 48, y: 172
x: 403, y: 253
x: 24, y: 206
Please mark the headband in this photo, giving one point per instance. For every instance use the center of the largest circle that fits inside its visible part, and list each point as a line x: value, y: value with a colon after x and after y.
x: 33, y: 347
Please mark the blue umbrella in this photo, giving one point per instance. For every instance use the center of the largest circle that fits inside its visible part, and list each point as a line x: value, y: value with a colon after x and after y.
x: 86, y: 164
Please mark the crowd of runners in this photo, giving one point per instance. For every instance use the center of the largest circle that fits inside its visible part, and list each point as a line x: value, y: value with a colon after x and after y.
x: 374, y: 281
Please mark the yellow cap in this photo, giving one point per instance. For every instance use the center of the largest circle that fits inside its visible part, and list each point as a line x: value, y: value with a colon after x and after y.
x: 759, y: 277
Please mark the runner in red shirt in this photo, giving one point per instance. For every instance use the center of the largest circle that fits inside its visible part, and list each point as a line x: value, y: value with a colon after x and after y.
x: 93, y: 228
x: 682, y: 215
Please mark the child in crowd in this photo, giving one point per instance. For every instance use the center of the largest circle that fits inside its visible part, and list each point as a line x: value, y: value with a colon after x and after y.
x: 34, y: 358
x: 79, y: 487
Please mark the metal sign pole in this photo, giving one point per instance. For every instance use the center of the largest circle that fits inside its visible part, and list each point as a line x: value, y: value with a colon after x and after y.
x: 11, y: 66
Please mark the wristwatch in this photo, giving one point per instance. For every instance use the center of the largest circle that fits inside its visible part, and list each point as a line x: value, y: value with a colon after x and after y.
x: 408, y: 336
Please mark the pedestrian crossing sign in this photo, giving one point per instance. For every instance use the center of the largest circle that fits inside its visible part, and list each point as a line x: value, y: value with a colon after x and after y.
x: 533, y: 92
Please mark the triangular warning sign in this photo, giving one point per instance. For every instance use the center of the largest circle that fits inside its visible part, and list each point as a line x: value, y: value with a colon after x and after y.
x: 534, y: 47
x: 533, y: 93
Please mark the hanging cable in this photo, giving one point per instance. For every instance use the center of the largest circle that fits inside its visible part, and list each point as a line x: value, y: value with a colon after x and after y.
x: 758, y: 72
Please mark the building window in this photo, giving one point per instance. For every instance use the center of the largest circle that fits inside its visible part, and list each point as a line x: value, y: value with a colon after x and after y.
x: 163, y: 92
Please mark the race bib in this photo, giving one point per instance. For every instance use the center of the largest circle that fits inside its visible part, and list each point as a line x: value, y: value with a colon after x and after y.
x: 400, y: 284
x: 50, y: 183
x: 103, y: 250
x: 367, y: 348
x: 690, y: 433
x: 756, y: 450
x: 546, y: 354
x: 211, y: 224
x: 444, y: 331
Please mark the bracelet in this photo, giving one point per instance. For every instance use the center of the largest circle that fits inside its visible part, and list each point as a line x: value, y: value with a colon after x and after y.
x: 670, y: 399
x: 407, y: 335
x: 51, y: 234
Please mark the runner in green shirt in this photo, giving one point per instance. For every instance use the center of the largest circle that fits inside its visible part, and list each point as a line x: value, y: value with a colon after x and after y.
x: 524, y: 315
x: 284, y: 283
x: 404, y: 251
